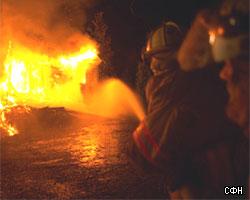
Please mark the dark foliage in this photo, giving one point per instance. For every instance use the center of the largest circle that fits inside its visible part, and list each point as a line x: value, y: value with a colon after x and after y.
x: 99, y: 31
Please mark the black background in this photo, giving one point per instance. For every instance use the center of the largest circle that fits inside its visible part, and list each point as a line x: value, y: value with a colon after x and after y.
x: 129, y: 21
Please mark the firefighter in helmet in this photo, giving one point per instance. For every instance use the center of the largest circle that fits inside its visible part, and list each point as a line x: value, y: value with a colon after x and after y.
x: 222, y: 36
x: 160, y: 53
x: 183, y: 122
x: 225, y: 39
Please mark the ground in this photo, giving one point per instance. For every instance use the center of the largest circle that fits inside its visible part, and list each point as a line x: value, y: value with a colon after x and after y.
x: 89, y: 161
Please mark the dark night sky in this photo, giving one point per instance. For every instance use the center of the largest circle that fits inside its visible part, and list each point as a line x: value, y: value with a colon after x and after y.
x: 129, y: 21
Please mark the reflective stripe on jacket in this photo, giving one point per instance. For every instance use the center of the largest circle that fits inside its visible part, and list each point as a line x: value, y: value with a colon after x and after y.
x: 146, y: 142
x: 185, y: 117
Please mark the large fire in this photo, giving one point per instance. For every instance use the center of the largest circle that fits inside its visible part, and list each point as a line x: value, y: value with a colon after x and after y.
x: 31, y: 78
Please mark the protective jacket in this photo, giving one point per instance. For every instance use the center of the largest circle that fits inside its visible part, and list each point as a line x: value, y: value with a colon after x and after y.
x: 184, y: 130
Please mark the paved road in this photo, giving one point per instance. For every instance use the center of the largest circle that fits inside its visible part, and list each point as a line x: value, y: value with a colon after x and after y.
x: 84, y: 162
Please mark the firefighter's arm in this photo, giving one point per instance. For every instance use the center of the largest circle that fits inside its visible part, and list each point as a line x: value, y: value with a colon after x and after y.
x: 143, y: 150
x: 162, y: 141
x: 135, y: 155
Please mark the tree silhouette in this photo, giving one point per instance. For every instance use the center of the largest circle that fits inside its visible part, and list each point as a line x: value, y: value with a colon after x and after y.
x: 99, y: 31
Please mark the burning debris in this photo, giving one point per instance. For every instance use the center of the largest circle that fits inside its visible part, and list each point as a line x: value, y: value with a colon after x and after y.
x: 45, y: 60
x: 28, y: 120
x: 33, y: 79
x: 50, y: 62
x: 5, y: 110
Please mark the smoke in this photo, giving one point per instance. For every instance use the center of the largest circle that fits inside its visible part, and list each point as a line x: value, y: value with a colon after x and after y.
x: 50, y: 26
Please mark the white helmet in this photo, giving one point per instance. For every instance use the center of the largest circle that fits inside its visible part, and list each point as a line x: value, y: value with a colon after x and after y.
x: 229, y: 32
x: 217, y: 36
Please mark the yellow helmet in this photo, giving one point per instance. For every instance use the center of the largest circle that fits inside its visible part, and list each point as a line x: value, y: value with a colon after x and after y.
x: 165, y: 38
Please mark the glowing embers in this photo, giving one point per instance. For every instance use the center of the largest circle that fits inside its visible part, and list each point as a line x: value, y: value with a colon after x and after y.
x: 34, y: 79
x: 9, y: 111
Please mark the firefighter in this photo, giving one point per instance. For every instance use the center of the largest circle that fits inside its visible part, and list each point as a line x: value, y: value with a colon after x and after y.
x: 225, y: 39
x: 223, y: 36
x: 160, y: 52
x: 185, y: 119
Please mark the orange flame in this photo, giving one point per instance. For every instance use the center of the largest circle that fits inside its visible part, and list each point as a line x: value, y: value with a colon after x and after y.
x: 35, y: 79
